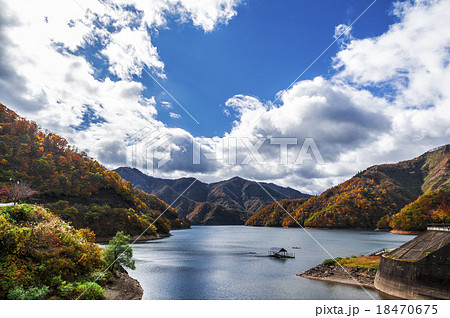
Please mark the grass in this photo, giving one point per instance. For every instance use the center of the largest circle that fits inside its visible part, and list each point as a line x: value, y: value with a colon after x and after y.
x: 369, y: 262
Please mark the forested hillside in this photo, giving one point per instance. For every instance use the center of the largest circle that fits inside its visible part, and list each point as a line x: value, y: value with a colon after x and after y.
x: 375, y: 198
x: 215, y: 214
x: 74, y: 186
x: 431, y: 207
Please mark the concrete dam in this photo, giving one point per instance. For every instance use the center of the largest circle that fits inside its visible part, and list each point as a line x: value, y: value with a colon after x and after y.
x: 420, y: 268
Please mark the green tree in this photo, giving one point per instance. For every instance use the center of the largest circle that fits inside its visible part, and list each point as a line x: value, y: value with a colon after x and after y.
x: 119, y: 252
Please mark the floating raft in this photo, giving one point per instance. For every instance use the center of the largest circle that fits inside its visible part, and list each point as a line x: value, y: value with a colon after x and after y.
x: 279, y: 252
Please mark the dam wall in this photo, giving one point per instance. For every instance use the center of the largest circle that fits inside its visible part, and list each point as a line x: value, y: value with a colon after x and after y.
x: 419, y: 269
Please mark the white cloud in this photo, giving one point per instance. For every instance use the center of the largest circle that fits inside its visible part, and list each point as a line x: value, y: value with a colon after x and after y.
x: 353, y: 128
x: 343, y: 33
x: 412, y: 57
x: 166, y: 105
x: 44, y: 78
x: 339, y: 118
x: 206, y: 14
x: 41, y: 78
x: 123, y: 51
x: 174, y: 115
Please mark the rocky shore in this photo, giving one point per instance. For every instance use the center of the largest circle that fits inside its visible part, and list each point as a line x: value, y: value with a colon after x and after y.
x: 123, y: 288
x: 336, y: 273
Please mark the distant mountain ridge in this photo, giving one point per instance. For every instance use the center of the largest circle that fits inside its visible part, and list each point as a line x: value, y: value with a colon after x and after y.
x: 226, y: 202
x: 379, y: 196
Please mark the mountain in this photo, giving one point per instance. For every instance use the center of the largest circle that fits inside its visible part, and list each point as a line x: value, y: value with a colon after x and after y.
x: 374, y: 197
x: 74, y: 186
x: 226, y: 202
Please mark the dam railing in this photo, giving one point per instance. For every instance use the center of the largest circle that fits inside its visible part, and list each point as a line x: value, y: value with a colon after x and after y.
x: 438, y: 227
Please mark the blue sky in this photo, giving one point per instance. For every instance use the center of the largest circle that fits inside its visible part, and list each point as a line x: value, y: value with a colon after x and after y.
x: 380, y: 95
x: 259, y: 53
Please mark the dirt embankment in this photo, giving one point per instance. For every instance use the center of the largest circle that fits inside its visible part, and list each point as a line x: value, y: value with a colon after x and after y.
x: 342, y: 274
x: 123, y: 288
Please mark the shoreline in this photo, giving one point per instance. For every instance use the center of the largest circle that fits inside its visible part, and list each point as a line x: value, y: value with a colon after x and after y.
x: 124, y: 287
x: 336, y: 274
x: 398, y: 232
x: 401, y: 232
x: 346, y: 281
x: 152, y: 237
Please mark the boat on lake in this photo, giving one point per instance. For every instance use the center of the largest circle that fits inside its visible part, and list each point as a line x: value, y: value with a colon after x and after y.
x: 280, y: 252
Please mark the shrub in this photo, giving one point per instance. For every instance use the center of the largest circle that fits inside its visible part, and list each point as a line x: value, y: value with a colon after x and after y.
x: 33, y: 293
x: 328, y: 261
x: 90, y: 291
x: 98, y: 277
x: 66, y: 290
x: 19, y: 213
x: 41, y: 256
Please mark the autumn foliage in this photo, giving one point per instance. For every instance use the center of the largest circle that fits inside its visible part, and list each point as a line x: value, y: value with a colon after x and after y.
x: 17, y: 192
x: 433, y: 207
x: 382, y: 196
x: 75, y: 186
x: 43, y: 257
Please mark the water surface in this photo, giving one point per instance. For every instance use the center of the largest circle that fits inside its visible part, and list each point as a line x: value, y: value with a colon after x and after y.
x: 230, y: 262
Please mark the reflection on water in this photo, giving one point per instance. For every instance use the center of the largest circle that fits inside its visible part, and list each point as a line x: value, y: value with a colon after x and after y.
x: 230, y: 262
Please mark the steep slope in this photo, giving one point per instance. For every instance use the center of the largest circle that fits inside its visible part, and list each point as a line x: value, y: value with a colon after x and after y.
x: 74, y: 186
x: 371, y: 197
x: 235, y: 198
x: 431, y: 207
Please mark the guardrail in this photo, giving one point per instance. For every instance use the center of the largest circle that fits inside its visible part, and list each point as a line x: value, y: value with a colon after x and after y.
x: 438, y: 227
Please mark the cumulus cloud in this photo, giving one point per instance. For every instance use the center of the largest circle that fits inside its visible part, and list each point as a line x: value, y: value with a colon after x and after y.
x: 131, y: 51
x: 412, y: 56
x: 205, y: 14
x: 12, y: 84
x: 387, y: 101
x: 331, y: 113
x: 174, y: 115
x: 409, y: 64
x: 339, y: 118
x: 342, y: 33
x: 48, y: 75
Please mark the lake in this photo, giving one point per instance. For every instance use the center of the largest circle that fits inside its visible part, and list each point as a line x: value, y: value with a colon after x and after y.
x: 230, y: 262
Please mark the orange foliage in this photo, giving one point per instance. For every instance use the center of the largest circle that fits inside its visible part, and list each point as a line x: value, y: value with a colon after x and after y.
x: 94, y: 196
